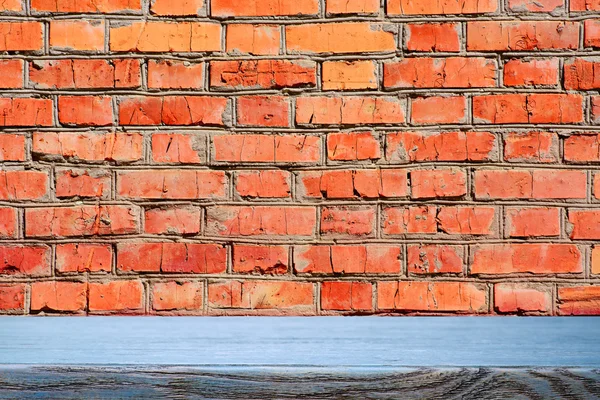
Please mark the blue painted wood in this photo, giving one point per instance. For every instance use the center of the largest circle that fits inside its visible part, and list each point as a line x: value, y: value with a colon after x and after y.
x: 305, y: 341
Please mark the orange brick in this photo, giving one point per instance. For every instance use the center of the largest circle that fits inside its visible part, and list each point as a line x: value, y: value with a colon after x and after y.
x: 253, y: 39
x: 262, y: 8
x: 521, y: 298
x: 178, y: 7
x: 170, y: 74
x: 448, y: 110
x: 77, y: 35
x: 21, y: 36
x: 346, y: 296
x: 531, y: 72
x: 433, y: 37
x: 349, y: 75
x: 425, y: 7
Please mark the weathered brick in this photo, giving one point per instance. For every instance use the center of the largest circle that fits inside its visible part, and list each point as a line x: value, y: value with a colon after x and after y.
x: 528, y: 109
x: 58, y: 296
x: 262, y: 8
x: 86, y: 6
x: 21, y: 111
x: 83, y: 220
x: 340, y: 38
x: 263, y: 184
x: 435, y: 259
x: 467, y: 220
x: 25, y: 260
x: 579, y: 300
x: 405, y: 147
x: 83, y: 257
x: 584, y: 224
x: 12, y: 74
x: 539, y: 147
x: 449, y: 110
x: 352, y: 6
x: 123, y: 297
x: 179, y: 148
x: 530, y: 222
x: 170, y: 74
x: 402, y: 220
x: 260, y: 295
x: 16, y: 185
x: 349, y: 110
x: 582, y: 148
x: 260, y: 259
x: 451, y: 72
x: 353, y: 146
x: 433, y: 37
x: 12, y: 147
x: 179, y: 220
x: 438, y: 183
x: 181, y: 258
x: 253, y: 39
x: 348, y: 221
x: 591, y: 36
x: 177, y: 296
x: 76, y: 182
x: 159, y: 36
x: 459, y: 297
x: 273, y: 111
x: 8, y: 222
x: 526, y: 6
x: 257, y: 148
x: 531, y: 72
x: 21, y: 36
x: 85, y: 110
x: 355, y: 259
x: 77, y: 35
x: 171, y: 184
x: 346, y: 296
x: 522, y: 35
x: 178, y: 7
x: 424, y: 7
x: 262, y: 74
x: 349, y: 75
x: 174, y: 110
x: 12, y: 297
x: 526, y: 258
x: 261, y: 221
x: 521, y: 298
x: 339, y: 184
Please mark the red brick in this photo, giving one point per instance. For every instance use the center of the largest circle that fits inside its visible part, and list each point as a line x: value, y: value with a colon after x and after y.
x: 11, y: 5
x: 528, y: 109
x: 584, y: 5
x: 291, y: 148
x: 438, y: 183
x: 537, y: 6
x: 539, y: 147
x: 353, y: 146
x: 526, y: 258
x: 29, y: 260
x: 12, y: 74
x: 521, y: 298
x: 444, y: 146
x: 86, y: 6
x: 460, y: 297
x: 591, y: 36
x: 349, y: 75
x: 93, y: 147
x: 339, y: 38
x: 263, y: 111
x: 397, y: 220
x: 579, y: 300
x: 261, y: 221
x: 85, y: 110
x: 580, y: 74
x: 596, y: 186
x: 116, y: 296
x: 76, y: 182
x: 530, y: 222
x: 83, y: 257
x: 26, y: 112
x: 263, y: 8
x: 367, y: 183
x: 584, y: 224
x: 23, y: 185
x: 181, y: 258
x: 85, y: 74
x: 21, y: 36
x: 177, y: 296
x: 531, y: 72
x: 86, y: 220
x: 179, y: 7
x: 171, y: 74
x: 178, y: 220
x: 522, y: 35
x: 449, y: 110
x: 595, y: 112
x: 263, y: 184
x: 12, y: 297
x: 352, y: 221
x: 261, y: 259
x: 162, y: 36
x: 253, y: 39
x: 450, y: 72
x: 58, y: 296
x: 174, y: 110
x: 582, y: 148
x: 595, y: 260
x: 433, y: 37
x: 349, y: 110
x: 435, y: 259
x: 12, y: 147
x: 346, y: 296
x: 467, y: 220
x: 171, y: 184
x: 503, y: 184
x: 283, y: 296
x: 424, y: 7
x: 179, y: 148
x: 352, y: 6
x: 559, y: 184
x: 77, y: 35
x: 355, y: 259
x: 262, y: 74
x: 8, y: 222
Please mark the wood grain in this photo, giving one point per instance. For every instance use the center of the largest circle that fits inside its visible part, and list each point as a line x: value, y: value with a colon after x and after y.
x: 314, y: 383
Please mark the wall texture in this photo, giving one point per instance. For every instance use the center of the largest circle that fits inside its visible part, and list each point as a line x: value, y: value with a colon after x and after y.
x: 299, y: 156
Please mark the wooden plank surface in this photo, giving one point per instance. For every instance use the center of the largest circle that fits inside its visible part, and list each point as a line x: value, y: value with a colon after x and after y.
x: 277, y: 382
x: 320, y: 341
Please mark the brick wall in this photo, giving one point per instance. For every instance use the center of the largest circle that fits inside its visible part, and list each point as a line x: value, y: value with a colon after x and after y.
x: 299, y: 156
